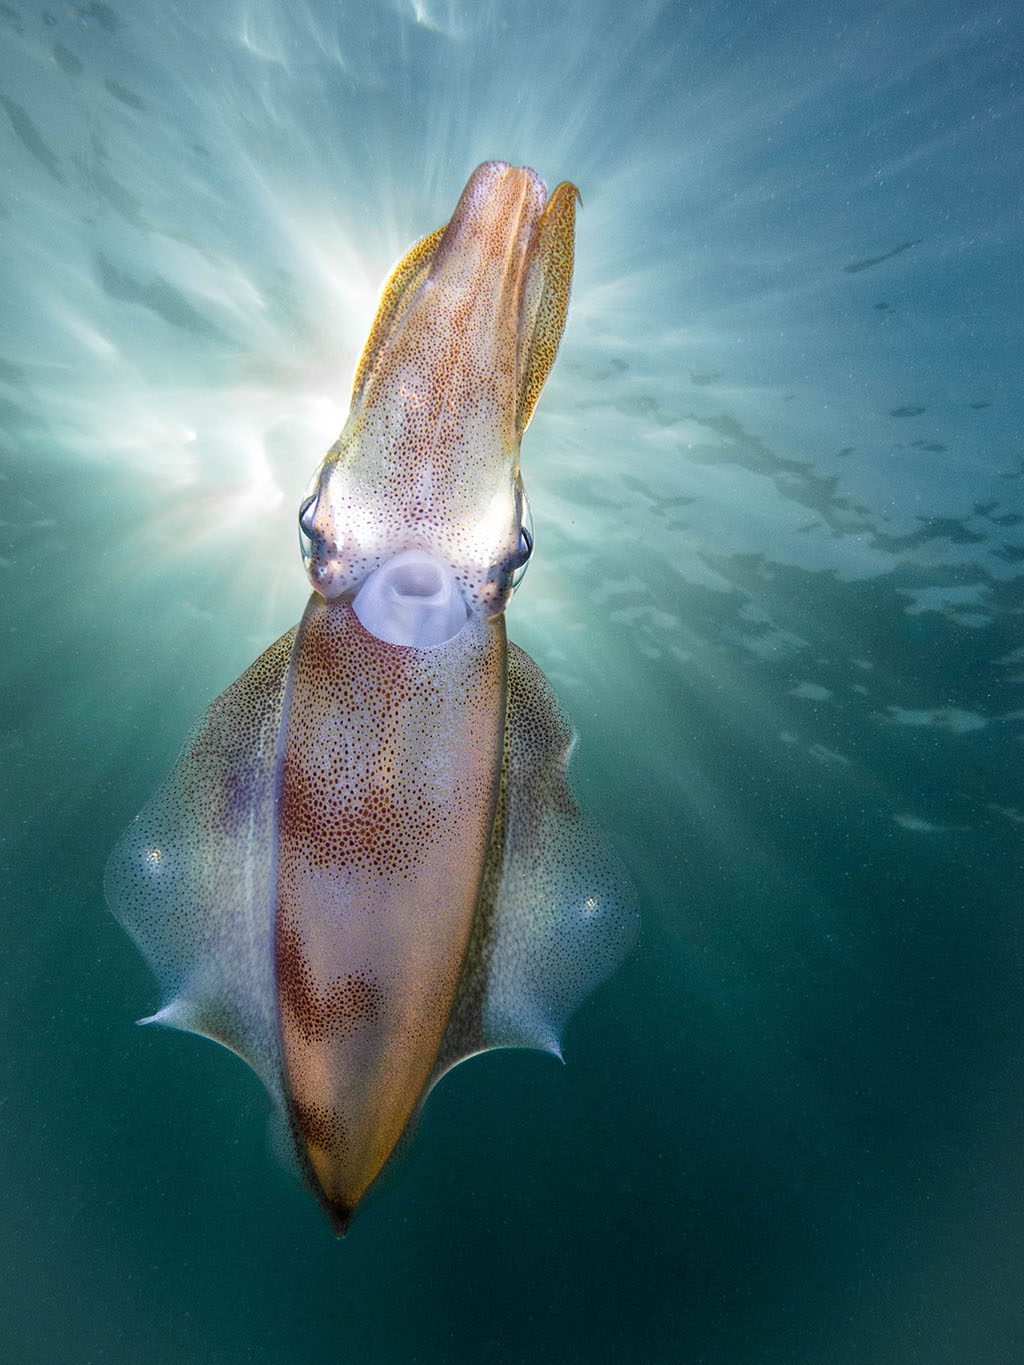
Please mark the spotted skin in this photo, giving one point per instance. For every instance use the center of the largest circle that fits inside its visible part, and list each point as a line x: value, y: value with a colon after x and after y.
x: 388, y: 782
x: 367, y: 864
x: 545, y: 298
x: 465, y: 336
x: 400, y: 289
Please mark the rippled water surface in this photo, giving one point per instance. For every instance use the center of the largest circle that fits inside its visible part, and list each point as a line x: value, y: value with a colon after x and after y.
x: 777, y: 486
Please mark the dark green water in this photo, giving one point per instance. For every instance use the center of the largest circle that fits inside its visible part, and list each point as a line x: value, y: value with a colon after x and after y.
x: 776, y: 480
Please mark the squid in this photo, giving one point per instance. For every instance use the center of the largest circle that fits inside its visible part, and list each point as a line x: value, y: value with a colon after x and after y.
x: 367, y: 865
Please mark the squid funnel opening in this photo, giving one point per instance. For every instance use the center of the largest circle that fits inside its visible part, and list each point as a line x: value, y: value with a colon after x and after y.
x: 412, y: 599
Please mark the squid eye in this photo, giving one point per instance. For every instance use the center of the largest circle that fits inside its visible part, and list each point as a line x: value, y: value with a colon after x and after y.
x: 307, y: 515
x: 307, y: 512
x: 525, y: 549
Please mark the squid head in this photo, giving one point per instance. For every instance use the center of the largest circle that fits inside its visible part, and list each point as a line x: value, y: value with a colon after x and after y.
x: 463, y: 342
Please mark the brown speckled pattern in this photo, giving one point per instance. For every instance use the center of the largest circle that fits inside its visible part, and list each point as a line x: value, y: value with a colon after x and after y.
x: 464, y: 339
x: 545, y: 298
x: 367, y: 864
x: 388, y: 783
x: 399, y: 290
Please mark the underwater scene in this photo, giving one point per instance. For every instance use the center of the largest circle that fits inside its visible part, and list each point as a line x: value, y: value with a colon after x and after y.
x: 771, y: 499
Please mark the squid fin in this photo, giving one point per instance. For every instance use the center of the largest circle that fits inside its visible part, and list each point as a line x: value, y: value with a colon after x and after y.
x: 557, y: 912
x: 191, y: 878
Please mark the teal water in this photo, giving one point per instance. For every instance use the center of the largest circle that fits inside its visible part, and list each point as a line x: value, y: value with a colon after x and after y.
x: 776, y: 481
